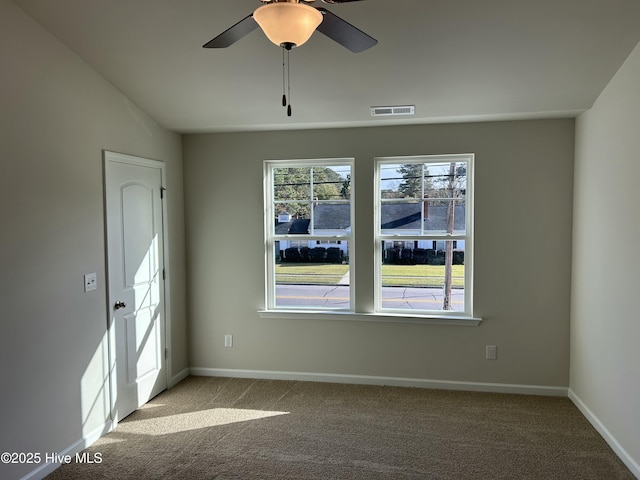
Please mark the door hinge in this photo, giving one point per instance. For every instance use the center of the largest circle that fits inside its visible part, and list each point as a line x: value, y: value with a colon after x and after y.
x: 164, y: 274
x: 162, y: 190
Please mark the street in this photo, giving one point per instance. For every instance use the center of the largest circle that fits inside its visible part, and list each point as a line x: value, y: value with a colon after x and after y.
x: 337, y: 296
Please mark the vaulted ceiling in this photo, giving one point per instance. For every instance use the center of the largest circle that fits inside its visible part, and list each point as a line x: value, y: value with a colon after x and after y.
x: 455, y: 60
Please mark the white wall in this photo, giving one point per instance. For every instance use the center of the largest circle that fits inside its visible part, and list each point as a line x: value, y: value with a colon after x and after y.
x: 523, y: 202
x: 605, y: 326
x: 56, y: 117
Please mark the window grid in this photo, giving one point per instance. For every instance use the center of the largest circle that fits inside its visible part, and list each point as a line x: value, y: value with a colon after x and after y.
x: 421, y: 234
x: 341, y: 238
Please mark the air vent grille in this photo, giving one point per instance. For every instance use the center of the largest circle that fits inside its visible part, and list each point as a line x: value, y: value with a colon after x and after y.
x: 393, y: 111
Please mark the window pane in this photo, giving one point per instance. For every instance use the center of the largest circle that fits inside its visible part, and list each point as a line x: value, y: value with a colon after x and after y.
x: 401, y: 180
x: 332, y: 182
x: 292, y: 217
x: 288, y: 224
x: 312, y: 274
x: 292, y: 183
x: 423, y: 198
x: 417, y: 276
x: 401, y: 218
x: 331, y: 219
x: 445, y: 180
x: 444, y: 216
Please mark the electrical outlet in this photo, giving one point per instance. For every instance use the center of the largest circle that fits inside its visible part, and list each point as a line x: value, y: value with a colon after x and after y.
x: 491, y: 352
x: 90, y: 282
x: 228, y: 340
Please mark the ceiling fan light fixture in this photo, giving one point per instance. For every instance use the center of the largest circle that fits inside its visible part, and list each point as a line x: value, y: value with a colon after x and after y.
x: 286, y: 23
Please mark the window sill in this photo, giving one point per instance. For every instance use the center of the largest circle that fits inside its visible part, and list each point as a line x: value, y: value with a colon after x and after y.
x: 425, y: 319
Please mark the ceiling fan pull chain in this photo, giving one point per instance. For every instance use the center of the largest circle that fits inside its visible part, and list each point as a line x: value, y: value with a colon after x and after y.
x: 284, y: 97
x: 286, y: 78
x: 289, y: 83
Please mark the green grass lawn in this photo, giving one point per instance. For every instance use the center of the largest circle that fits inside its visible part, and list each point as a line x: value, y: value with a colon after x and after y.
x: 420, y: 275
x: 392, y: 275
x: 305, y: 273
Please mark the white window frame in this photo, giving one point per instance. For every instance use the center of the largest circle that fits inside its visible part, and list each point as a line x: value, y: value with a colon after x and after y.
x: 271, y: 237
x: 467, y: 237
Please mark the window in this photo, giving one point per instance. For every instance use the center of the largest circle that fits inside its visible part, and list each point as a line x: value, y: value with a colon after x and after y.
x: 422, y: 244
x: 309, y: 238
x: 424, y: 228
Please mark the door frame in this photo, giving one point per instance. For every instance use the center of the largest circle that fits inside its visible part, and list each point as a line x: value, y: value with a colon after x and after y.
x: 115, y: 157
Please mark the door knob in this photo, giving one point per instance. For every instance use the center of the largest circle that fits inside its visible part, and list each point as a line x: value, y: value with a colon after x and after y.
x: 119, y: 305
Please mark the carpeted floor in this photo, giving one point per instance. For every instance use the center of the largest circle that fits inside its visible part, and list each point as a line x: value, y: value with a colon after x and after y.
x: 221, y: 428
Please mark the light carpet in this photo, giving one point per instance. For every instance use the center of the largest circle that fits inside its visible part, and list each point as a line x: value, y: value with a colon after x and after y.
x: 223, y: 428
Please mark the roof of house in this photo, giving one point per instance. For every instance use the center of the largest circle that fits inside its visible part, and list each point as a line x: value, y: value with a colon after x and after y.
x: 402, y: 216
x: 298, y: 226
x: 332, y: 216
x: 395, y: 216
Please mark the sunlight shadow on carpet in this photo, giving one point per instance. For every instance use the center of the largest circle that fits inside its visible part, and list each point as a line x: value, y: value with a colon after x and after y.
x: 183, y: 422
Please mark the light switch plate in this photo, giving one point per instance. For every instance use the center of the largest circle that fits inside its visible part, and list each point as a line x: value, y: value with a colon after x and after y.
x: 491, y: 352
x: 90, y: 282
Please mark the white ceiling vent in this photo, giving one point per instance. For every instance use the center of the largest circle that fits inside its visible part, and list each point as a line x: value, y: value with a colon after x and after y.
x: 393, y: 111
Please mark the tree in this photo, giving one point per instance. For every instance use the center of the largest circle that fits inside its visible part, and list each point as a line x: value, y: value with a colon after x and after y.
x: 448, y: 249
x: 411, y: 185
x: 345, y: 191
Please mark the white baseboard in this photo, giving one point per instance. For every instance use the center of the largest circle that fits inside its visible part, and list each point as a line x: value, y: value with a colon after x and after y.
x: 173, y: 381
x: 86, y: 441
x: 631, y: 464
x: 390, y: 381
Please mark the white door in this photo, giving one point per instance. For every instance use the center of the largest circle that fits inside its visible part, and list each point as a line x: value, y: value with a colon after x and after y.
x: 133, y: 189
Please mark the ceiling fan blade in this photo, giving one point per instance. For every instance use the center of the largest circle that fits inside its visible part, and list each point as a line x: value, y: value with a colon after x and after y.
x: 340, y: 1
x: 344, y: 33
x: 232, y: 34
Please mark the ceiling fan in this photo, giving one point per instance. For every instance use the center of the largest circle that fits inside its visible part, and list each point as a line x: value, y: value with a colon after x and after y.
x: 290, y: 23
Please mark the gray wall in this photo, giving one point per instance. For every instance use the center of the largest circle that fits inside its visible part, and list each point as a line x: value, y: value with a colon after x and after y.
x: 523, y: 205
x: 56, y: 116
x: 605, y: 326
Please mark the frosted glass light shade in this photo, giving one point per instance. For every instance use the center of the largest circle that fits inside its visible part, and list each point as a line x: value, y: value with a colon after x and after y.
x: 285, y: 22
